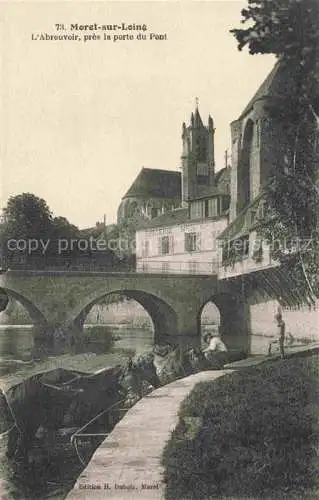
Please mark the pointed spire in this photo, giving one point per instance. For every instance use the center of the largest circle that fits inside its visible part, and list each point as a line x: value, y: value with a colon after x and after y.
x: 210, y: 123
x: 183, y: 130
x: 198, y: 120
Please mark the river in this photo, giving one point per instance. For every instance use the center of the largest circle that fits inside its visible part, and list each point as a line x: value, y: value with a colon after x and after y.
x: 18, y: 362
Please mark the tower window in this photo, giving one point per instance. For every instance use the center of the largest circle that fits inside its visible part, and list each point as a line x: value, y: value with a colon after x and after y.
x: 257, y: 129
x: 202, y: 169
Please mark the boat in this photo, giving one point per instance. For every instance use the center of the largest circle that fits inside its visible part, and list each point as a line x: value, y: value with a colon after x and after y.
x: 9, y: 431
x: 86, y: 439
x: 90, y: 405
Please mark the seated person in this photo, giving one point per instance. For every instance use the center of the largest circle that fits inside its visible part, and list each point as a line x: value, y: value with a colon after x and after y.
x: 215, y: 344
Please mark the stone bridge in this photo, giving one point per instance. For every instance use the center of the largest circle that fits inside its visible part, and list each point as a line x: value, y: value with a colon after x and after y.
x: 174, y: 302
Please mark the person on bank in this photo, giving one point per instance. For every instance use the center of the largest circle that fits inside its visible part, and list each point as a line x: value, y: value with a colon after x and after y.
x: 280, y: 334
x: 215, y: 344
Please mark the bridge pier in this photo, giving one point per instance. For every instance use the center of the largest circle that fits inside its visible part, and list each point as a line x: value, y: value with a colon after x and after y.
x: 235, y: 323
x: 61, y: 301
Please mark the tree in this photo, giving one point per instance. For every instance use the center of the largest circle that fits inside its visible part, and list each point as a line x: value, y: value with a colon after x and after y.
x: 28, y: 220
x: 27, y: 216
x: 289, y: 29
x: 62, y: 228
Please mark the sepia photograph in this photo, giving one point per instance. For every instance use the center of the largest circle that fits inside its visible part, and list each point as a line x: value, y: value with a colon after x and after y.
x: 159, y: 252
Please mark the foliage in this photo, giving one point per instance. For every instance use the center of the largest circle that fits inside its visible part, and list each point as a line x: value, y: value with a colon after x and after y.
x: 289, y: 29
x: 27, y: 216
x: 249, y: 434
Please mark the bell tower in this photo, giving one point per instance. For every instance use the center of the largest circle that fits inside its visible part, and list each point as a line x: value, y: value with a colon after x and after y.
x: 197, y: 160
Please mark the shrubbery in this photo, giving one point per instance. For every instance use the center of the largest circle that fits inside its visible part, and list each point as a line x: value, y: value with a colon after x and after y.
x: 250, y: 434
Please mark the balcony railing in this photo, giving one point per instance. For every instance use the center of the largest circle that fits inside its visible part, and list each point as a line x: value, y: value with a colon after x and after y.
x: 246, y: 220
x: 177, y: 267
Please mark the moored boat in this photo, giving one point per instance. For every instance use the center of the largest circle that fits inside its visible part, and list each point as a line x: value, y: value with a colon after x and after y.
x: 8, y: 429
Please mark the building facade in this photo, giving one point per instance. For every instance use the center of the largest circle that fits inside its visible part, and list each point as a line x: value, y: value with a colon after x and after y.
x: 259, y: 147
x: 184, y: 240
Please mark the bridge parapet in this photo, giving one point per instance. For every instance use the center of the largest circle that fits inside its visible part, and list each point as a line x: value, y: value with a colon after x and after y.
x: 174, y: 302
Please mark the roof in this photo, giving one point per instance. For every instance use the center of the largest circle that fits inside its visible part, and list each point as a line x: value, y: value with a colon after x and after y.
x: 220, y: 188
x: 155, y: 183
x: 278, y: 84
x: 97, y: 230
x: 222, y: 177
x: 209, y: 192
x: 170, y: 218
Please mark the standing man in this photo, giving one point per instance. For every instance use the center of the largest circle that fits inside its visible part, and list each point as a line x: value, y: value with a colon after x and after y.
x: 281, y: 330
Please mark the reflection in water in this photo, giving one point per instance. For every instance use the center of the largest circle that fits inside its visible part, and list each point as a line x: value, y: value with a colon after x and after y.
x: 19, y: 356
x: 16, y: 342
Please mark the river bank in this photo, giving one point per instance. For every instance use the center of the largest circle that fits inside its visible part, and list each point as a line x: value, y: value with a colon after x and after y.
x: 138, y: 472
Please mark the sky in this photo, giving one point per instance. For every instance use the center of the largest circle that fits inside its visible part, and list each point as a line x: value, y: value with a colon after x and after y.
x: 79, y: 119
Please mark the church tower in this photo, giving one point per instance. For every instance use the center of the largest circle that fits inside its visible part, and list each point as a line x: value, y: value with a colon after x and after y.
x: 198, y: 164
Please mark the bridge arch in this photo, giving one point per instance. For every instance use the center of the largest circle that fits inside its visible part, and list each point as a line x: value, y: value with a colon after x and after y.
x: 208, y: 318
x: 35, y: 314
x: 163, y: 316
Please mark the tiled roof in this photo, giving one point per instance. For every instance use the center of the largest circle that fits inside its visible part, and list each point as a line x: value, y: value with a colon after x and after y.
x: 172, y: 217
x: 154, y: 183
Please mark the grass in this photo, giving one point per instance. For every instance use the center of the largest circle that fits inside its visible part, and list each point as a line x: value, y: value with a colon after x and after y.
x: 249, y: 435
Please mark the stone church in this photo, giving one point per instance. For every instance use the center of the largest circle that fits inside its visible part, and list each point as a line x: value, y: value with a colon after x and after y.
x: 224, y: 207
x: 155, y: 192
x: 183, y: 239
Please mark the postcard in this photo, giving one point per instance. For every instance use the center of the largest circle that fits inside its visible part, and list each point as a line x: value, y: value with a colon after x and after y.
x: 158, y: 248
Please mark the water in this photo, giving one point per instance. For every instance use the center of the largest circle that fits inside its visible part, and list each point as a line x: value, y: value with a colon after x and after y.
x: 19, y: 359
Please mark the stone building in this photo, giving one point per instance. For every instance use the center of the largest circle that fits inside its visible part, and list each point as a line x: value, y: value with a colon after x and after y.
x: 258, y: 148
x: 184, y: 239
x: 153, y: 192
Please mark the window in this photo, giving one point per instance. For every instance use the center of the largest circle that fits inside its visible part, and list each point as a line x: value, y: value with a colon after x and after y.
x: 202, y: 169
x: 212, y: 207
x: 133, y: 209
x: 196, y: 210
x: 146, y: 248
x: 202, y: 172
x: 257, y: 129
x: 192, y: 242
x: 262, y: 210
x: 164, y: 245
x: 165, y: 267
x: 154, y: 212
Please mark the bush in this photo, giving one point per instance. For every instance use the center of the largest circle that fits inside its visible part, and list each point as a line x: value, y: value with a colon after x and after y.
x: 250, y: 434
